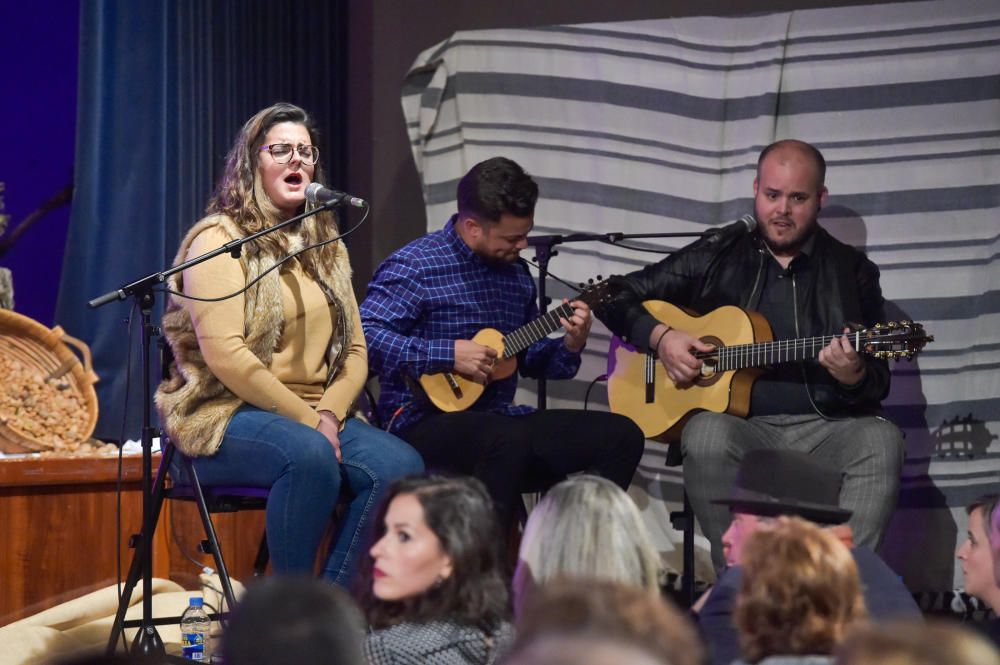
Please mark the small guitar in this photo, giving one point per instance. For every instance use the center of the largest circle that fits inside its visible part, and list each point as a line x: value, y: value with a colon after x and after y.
x: 450, y: 391
x: 638, y: 385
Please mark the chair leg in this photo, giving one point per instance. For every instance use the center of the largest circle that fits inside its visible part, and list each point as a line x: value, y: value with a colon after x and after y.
x: 206, y: 521
x: 139, y: 555
x: 687, y: 577
x: 683, y: 521
x: 263, y: 556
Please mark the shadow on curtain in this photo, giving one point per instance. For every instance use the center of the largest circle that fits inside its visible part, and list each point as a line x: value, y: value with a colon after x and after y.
x: 163, y: 89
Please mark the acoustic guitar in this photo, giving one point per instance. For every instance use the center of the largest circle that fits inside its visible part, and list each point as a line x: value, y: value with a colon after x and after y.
x: 450, y: 391
x: 638, y: 385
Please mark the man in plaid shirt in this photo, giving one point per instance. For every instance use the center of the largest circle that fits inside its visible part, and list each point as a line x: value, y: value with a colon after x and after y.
x: 424, y: 305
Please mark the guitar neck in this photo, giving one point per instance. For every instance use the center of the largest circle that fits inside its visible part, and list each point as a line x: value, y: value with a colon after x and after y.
x: 742, y: 356
x: 520, y: 339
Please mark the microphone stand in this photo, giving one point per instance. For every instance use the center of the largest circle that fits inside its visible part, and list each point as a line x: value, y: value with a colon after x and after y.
x: 544, y: 251
x: 147, y: 641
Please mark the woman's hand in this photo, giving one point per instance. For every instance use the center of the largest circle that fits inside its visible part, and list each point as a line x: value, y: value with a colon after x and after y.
x: 329, y: 427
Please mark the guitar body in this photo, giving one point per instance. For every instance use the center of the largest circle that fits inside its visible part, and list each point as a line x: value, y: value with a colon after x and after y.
x: 450, y: 391
x: 661, y: 409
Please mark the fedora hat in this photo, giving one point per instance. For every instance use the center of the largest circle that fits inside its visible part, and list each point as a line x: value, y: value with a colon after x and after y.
x: 785, y: 482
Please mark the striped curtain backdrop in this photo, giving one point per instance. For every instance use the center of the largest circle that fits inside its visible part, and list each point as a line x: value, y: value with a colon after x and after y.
x: 655, y: 126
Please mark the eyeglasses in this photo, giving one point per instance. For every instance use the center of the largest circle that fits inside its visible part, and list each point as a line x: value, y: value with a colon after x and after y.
x: 282, y: 152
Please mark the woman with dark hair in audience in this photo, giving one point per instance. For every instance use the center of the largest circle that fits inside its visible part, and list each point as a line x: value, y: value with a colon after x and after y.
x: 434, y: 589
x: 269, y: 355
x: 799, y: 595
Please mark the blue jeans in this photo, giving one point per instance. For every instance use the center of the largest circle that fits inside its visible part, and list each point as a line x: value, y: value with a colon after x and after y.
x: 298, y: 464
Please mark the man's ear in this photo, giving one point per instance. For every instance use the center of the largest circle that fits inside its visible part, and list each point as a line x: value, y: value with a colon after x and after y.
x: 470, y: 226
x: 755, y: 185
x: 823, y: 193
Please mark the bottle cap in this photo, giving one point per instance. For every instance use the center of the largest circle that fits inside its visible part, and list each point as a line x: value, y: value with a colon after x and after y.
x: 197, y: 601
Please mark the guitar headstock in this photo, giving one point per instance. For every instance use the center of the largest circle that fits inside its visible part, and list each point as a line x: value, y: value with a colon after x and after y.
x: 596, y: 293
x: 893, y: 340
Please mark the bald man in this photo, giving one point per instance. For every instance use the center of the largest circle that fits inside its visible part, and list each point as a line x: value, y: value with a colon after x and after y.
x: 805, y: 283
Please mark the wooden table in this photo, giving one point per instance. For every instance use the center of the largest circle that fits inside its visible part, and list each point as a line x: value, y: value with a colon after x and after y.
x: 57, y: 522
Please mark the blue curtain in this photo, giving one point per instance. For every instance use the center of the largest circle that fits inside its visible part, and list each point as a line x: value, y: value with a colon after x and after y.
x: 163, y: 89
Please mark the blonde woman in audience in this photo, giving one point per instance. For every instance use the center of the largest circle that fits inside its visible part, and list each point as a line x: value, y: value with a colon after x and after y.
x: 799, y: 595
x: 915, y: 643
x: 588, y: 527
x: 433, y: 590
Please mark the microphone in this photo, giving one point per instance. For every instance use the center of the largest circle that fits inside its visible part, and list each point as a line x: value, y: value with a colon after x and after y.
x: 317, y: 193
x: 745, y: 224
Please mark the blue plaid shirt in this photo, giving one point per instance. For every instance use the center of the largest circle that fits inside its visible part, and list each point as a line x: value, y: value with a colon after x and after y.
x: 435, y: 291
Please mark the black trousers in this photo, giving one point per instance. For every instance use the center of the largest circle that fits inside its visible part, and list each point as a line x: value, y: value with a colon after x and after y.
x: 529, y: 453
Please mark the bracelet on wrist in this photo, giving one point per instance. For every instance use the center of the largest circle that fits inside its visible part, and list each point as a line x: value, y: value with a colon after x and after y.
x: 659, y: 339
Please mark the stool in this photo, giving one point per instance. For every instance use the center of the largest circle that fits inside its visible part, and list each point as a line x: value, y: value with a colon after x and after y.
x: 219, y: 499
x: 213, y: 499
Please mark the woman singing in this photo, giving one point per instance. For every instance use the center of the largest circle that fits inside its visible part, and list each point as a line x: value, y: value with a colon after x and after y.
x: 264, y: 380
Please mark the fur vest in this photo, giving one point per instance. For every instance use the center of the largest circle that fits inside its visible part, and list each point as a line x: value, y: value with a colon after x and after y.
x: 194, y: 406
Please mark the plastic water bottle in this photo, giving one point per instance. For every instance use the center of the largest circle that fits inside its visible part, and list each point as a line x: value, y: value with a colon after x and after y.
x: 194, y: 630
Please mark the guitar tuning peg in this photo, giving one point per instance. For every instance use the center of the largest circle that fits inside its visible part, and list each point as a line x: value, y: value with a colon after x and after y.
x: 590, y: 281
x: 599, y: 278
x: 892, y: 324
x: 878, y: 326
x: 905, y: 322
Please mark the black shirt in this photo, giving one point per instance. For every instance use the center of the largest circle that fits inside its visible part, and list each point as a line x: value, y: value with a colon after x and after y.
x: 780, y: 389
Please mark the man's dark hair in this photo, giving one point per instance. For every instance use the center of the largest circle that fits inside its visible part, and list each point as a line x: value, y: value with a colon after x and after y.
x: 294, y: 620
x: 460, y: 513
x: 801, y: 146
x: 494, y: 187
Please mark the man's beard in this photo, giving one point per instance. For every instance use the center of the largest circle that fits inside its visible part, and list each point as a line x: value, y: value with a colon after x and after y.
x: 787, y: 243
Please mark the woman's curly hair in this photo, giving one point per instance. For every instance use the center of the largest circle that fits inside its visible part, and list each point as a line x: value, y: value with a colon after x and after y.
x: 800, y: 591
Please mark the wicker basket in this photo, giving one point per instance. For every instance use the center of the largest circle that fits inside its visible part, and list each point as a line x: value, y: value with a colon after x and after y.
x: 45, y: 350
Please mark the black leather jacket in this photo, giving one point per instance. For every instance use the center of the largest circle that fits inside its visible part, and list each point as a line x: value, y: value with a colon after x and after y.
x: 714, y: 271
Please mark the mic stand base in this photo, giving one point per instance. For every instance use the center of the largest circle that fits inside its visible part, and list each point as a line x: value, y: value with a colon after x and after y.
x: 147, y: 642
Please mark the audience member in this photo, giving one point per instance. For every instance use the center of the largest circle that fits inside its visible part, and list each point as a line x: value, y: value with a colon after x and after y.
x: 294, y: 620
x: 915, y: 643
x: 771, y: 483
x: 586, y: 526
x: 976, y: 555
x: 434, y: 591
x: 594, y: 622
x: 799, y: 594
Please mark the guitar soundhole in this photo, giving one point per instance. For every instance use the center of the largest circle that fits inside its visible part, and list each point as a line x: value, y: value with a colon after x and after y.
x: 709, y: 375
